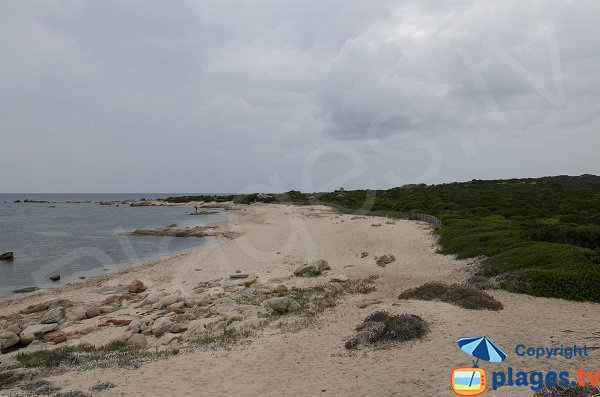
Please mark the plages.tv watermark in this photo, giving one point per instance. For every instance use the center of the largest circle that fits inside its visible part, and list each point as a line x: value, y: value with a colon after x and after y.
x: 473, y: 381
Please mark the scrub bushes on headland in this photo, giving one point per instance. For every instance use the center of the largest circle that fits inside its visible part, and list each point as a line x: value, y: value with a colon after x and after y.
x: 540, y: 236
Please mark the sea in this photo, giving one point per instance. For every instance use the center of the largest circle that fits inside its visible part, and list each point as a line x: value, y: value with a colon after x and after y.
x: 74, y: 236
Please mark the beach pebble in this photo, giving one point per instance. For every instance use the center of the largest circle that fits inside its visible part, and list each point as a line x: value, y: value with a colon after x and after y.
x: 283, y: 304
x: 54, y: 315
x: 239, y: 275
x: 136, y: 287
x: 8, y: 339
x: 54, y: 277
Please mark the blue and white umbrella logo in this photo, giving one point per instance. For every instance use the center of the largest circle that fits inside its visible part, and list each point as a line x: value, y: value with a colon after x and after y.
x: 481, y: 348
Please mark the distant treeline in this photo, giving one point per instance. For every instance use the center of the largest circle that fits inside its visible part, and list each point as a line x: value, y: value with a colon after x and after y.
x: 541, y: 236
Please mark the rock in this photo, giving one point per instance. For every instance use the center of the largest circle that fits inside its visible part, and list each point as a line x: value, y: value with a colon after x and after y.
x: 124, y: 337
x: 138, y: 339
x: 55, y: 338
x: 91, y: 311
x: 161, y: 325
x: 55, y: 315
x: 339, y: 278
x: 27, y: 339
x: 107, y: 309
x: 8, y: 339
x: 181, y: 318
x: 135, y: 326
x: 239, y: 275
x: 117, y: 322
x: 54, y: 277
x: 178, y: 305
x: 312, y: 269
x: 7, y: 256
x: 75, y: 313
x: 169, y: 299
x: 112, y: 289
x: 280, y: 289
x: 251, y: 279
x: 202, y: 312
x: 178, y: 328
x: 39, y: 330
x: 16, y: 328
x: 200, y: 324
x: 149, y: 300
x: 283, y: 304
x: 245, y: 325
x: 136, y: 287
x: 25, y: 290
x: 167, y: 339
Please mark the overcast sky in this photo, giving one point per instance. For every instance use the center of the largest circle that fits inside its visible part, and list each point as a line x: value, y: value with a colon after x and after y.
x: 242, y: 96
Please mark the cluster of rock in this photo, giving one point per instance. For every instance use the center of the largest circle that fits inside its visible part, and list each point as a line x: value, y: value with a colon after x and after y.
x: 234, y: 304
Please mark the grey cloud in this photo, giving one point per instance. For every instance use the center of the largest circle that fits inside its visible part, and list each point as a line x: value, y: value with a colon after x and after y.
x: 137, y: 95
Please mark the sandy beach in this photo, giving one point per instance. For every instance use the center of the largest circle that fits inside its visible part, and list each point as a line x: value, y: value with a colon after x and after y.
x: 271, y: 241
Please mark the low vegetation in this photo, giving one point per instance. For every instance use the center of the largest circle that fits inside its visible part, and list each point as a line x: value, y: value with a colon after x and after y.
x: 120, y: 354
x: 540, y: 236
x: 382, y: 326
x: 569, y: 391
x: 385, y: 260
x: 463, y: 296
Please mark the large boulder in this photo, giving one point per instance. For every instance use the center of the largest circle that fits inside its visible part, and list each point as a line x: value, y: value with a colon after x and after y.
x: 283, y: 304
x: 8, y: 339
x: 55, y: 315
x: 314, y: 268
x: 136, y: 287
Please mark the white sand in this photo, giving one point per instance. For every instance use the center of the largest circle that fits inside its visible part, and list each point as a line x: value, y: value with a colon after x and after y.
x: 314, y: 361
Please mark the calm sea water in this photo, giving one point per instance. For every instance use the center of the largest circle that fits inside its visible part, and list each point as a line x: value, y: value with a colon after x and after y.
x: 82, y: 239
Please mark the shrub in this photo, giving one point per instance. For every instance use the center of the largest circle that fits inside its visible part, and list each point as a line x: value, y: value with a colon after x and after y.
x: 381, y: 326
x: 569, y: 391
x: 385, y: 260
x: 456, y: 294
